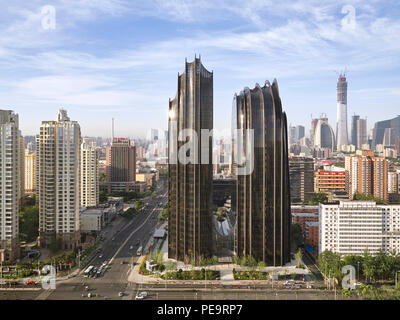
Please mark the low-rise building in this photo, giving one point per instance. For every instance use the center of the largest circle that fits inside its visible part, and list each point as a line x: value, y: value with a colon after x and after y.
x: 350, y: 227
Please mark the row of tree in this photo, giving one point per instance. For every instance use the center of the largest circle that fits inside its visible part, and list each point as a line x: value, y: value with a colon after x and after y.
x: 370, y: 268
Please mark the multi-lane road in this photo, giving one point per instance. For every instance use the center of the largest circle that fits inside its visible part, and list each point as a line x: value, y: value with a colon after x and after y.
x: 120, y: 252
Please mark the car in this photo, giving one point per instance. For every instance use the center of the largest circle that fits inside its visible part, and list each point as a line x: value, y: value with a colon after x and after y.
x: 309, y: 286
x: 100, y: 256
x: 131, y: 247
x: 87, y: 288
x: 3, y: 282
x: 139, y: 297
x: 29, y: 283
x: 89, y: 295
x: 113, y: 238
x: 357, y: 283
x: 121, y: 294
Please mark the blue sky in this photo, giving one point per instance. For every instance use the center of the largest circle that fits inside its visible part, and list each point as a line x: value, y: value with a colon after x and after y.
x: 120, y: 58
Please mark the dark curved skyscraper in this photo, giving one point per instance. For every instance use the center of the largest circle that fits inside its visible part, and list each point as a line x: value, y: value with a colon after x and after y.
x: 190, y: 185
x: 263, y: 197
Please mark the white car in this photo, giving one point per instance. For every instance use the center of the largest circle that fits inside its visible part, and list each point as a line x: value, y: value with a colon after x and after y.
x: 121, y: 294
x: 139, y: 297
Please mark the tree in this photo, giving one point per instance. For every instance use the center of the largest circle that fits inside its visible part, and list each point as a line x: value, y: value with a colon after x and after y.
x: 221, y: 213
x: 296, y: 236
x: 299, y: 256
x: 55, y: 245
x: 29, y: 222
x: 102, y: 196
x: 102, y: 176
x: 319, y: 197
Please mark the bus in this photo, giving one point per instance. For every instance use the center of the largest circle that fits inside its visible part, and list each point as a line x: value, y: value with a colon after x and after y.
x: 89, y: 270
x: 139, y: 251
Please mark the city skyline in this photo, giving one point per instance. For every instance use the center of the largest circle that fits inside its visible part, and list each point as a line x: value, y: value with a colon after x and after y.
x: 86, y: 67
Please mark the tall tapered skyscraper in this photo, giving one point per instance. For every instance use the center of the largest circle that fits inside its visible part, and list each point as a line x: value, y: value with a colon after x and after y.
x: 190, y: 183
x: 341, y: 125
x: 263, y: 196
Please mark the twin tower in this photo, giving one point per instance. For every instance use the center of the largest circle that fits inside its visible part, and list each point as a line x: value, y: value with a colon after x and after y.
x: 262, y: 206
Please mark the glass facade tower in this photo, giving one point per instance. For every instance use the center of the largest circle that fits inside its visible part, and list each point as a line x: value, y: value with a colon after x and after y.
x: 263, y: 197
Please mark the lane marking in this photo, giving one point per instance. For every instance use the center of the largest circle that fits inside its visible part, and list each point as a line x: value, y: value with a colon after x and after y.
x: 134, y: 231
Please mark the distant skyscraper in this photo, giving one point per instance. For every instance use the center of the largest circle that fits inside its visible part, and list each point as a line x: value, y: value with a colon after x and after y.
x: 190, y: 185
x: 314, y: 123
x: 353, y: 129
x: 379, y: 131
x: 323, y: 134
x: 10, y: 155
x: 362, y: 137
x: 89, y: 175
x: 58, y: 154
x: 341, y: 126
x: 121, y: 161
x: 263, y: 197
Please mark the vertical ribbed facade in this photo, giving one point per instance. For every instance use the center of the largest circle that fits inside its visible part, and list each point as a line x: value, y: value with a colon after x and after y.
x: 190, y: 185
x: 263, y: 197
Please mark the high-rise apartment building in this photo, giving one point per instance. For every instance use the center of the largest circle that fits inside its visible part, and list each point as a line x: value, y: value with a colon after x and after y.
x: 30, y: 172
x: 367, y: 174
x: 89, y: 175
x: 351, y: 227
x: 341, y: 125
x: 58, y: 171
x: 21, y: 161
x: 301, y: 170
x: 190, y: 183
x: 263, y: 196
x: 10, y: 191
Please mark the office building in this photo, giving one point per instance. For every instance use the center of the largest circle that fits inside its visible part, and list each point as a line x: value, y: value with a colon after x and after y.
x: 10, y: 191
x: 341, y: 125
x: 330, y: 179
x: 263, y: 196
x: 190, y: 183
x: 324, y: 138
x: 89, y: 175
x: 381, y: 129
x: 58, y: 188
x: 120, y: 161
x: 301, y: 170
x: 351, y: 227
